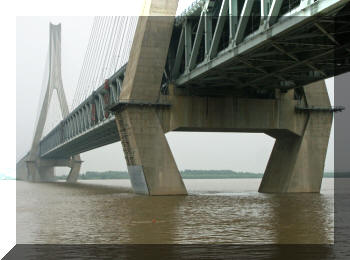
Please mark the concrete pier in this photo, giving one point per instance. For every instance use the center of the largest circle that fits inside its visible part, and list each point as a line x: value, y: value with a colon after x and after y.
x: 151, y: 165
x: 297, y: 162
x: 43, y: 169
x: 75, y: 165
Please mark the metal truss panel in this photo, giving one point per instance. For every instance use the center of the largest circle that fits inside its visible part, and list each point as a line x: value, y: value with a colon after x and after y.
x: 259, y: 43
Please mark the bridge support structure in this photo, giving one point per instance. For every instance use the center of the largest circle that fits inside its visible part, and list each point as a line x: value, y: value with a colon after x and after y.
x: 39, y: 169
x: 151, y: 165
x: 297, y: 161
x: 43, y: 169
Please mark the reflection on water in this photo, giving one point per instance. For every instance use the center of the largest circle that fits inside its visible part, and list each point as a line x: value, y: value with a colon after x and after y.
x: 216, y: 211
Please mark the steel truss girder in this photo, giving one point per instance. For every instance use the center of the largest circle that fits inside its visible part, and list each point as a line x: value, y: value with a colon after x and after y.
x: 90, y: 116
x: 94, y: 113
x: 272, y: 24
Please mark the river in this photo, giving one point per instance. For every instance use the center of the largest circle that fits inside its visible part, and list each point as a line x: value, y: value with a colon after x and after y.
x: 224, y: 211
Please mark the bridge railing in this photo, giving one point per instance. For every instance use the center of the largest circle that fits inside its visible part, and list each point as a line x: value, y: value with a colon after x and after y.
x: 89, y: 114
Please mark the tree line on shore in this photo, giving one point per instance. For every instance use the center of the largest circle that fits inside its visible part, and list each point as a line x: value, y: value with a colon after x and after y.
x: 188, y: 174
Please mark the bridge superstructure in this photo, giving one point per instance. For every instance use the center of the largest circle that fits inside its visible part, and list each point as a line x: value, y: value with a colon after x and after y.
x: 230, y: 65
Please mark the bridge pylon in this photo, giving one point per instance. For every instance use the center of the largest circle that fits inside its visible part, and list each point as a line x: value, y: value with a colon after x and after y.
x: 150, y: 162
x: 39, y: 169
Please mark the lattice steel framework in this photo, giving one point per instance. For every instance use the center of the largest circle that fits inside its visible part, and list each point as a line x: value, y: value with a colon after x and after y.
x: 246, y: 48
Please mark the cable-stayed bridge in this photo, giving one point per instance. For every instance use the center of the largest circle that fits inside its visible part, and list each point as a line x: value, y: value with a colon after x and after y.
x: 230, y: 66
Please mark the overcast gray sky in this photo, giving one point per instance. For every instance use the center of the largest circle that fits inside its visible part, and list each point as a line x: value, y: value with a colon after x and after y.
x: 235, y: 151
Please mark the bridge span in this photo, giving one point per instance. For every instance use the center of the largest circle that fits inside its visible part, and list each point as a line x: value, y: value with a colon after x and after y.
x: 226, y: 66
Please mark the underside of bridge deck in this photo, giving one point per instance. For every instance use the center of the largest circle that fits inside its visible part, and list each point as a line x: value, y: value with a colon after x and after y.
x: 300, y: 48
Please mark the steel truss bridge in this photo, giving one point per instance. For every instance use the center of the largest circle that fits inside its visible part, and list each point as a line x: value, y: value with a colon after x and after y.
x: 245, y: 48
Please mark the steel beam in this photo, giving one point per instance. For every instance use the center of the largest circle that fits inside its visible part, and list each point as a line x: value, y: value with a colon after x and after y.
x: 188, y: 41
x: 279, y: 48
x: 219, y: 29
x: 274, y: 11
x: 243, y: 21
x: 297, y: 64
x: 233, y: 14
x: 197, y: 42
x: 264, y: 9
x: 179, y: 54
x: 208, y: 31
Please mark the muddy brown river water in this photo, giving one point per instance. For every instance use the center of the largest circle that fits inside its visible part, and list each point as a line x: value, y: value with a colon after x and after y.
x: 216, y: 211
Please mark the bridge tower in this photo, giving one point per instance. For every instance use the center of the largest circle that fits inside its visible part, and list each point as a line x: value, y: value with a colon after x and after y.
x: 39, y: 169
x: 151, y: 165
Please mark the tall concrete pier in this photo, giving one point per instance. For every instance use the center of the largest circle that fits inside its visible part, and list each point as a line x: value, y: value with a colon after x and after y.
x: 297, y: 161
x: 151, y: 165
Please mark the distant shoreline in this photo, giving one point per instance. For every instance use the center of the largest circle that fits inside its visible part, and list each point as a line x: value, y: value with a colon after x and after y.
x: 191, y: 174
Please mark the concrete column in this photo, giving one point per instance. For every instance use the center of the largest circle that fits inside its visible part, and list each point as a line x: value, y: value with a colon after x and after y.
x: 297, y: 162
x: 75, y: 169
x: 33, y: 171
x: 42, y: 170
x: 151, y: 165
x: 37, y: 173
x: 148, y: 54
x: 47, y: 174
